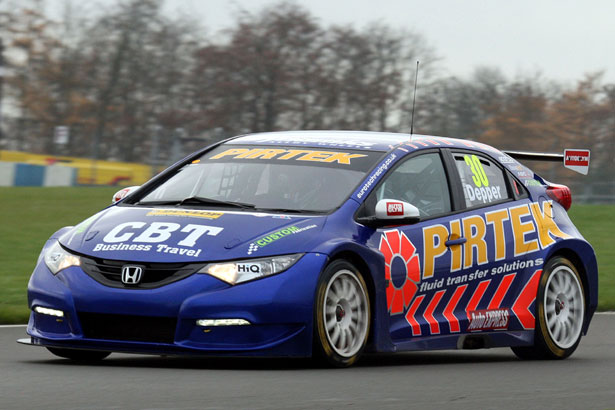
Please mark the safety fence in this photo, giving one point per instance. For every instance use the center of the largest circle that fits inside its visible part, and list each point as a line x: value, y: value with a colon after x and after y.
x: 35, y: 170
x: 16, y: 174
x: 594, y: 192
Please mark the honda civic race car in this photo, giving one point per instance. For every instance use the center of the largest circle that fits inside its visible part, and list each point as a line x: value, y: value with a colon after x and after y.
x: 327, y: 244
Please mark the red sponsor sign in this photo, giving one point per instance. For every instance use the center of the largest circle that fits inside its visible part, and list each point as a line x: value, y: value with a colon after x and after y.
x: 488, y: 319
x: 395, y: 208
x: 121, y: 194
x: 576, y: 158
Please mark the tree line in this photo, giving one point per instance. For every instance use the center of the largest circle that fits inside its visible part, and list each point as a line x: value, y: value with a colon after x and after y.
x: 122, y: 76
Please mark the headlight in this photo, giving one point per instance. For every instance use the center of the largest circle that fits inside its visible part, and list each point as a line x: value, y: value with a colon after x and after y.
x: 249, y: 269
x: 56, y: 259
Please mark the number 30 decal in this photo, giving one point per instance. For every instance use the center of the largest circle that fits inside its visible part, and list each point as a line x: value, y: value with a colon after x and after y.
x: 478, y: 172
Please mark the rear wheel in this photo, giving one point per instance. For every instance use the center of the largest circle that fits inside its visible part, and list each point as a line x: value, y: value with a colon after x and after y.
x: 560, y: 311
x: 79, y: 355
x: 342, y: 314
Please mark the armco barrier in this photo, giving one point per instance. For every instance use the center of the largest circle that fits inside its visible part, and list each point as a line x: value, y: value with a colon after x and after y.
x: 89, y: 172
x: 16, y: 174
x: 7, y: 173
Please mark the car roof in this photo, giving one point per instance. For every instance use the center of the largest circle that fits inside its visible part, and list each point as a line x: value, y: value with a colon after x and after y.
x: 360, y: 140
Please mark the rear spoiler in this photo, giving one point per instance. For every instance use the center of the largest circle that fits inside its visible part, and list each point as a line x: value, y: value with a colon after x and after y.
x: 574, y: 159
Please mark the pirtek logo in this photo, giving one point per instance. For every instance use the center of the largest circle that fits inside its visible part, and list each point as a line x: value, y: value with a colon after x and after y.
x: 533, y: 228
x: 131, y: 274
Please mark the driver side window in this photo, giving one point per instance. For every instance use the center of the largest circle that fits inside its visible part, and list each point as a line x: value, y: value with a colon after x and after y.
x: 420, y: 181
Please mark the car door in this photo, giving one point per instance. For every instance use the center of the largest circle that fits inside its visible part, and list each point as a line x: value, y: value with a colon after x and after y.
x: 496, y: 229
x: 439, y: 273
x: 503, y: 297
x: 411, y: 281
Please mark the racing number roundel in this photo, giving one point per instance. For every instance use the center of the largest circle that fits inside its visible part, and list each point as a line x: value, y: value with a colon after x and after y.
x: 395, y: 244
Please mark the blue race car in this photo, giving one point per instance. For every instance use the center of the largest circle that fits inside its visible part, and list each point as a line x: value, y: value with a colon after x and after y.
x: 325, y: 244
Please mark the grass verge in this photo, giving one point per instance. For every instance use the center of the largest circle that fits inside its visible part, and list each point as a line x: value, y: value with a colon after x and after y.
x: 28, y: 216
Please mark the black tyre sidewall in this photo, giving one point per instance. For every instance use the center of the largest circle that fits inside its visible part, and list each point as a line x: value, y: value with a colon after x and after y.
x: 322, y: 347
x: 542, y: 338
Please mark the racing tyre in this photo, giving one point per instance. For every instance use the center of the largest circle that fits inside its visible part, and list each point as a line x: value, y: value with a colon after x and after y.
x: 342, y: 315
x: 79, y: 355
x: 560, y: 311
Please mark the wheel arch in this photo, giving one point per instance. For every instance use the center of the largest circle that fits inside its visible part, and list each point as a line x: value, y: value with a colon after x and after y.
x: 582, y: 256
x: 371, y: 266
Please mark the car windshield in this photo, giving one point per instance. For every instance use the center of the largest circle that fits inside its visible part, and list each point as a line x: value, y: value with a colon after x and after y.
x: 266, y: 178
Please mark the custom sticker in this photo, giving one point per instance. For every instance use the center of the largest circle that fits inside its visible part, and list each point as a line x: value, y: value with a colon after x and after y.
x: 268, y: 239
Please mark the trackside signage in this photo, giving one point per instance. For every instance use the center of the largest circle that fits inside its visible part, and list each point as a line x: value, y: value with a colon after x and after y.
x: 577, y: 160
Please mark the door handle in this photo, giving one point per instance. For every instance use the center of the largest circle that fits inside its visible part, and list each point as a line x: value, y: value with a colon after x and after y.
x: 453, y: 242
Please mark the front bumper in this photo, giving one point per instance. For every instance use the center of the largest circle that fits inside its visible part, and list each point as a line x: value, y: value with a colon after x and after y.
x: 163, y: 320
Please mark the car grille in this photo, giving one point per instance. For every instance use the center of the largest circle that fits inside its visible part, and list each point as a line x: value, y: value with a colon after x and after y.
x: 129, y: 328
x: 109, y: 272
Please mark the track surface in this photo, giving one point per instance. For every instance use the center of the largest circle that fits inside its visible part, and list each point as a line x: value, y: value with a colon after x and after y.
x: 31, y: 378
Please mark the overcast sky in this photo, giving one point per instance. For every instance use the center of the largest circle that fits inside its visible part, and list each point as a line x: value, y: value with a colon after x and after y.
x: 562, y: 39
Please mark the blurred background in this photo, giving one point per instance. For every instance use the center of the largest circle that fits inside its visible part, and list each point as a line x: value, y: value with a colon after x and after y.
x: 117, y: 89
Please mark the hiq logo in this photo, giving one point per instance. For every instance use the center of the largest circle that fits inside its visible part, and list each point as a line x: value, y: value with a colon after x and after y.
x: 248, y: 268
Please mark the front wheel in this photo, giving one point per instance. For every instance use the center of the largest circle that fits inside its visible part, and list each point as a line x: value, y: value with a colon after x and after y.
x: 79, y: 355
x: 342, y: 314
x: 560, y: 311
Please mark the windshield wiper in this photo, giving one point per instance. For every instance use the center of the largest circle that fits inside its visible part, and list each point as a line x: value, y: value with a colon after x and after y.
x: 197, y: 200
x: 289, y: 210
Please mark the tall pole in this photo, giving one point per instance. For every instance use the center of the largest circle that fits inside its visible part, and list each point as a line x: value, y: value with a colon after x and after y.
x: 1, y: 82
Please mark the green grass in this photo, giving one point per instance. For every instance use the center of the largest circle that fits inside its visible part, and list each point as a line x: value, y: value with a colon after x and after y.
x: 596, y: 223
x: 29, y: 215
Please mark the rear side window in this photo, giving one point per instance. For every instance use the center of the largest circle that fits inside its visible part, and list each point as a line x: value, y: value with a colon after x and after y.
x: 483, y: 182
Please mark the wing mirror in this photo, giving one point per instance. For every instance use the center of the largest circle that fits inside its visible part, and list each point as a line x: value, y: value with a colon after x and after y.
x: 391, y: 212
x: 123, y: 193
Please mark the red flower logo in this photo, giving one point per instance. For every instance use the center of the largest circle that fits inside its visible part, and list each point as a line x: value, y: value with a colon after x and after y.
x: 395, y: 244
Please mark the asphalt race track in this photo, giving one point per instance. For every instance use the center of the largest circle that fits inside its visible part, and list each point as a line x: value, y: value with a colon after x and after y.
x: 31, y: 378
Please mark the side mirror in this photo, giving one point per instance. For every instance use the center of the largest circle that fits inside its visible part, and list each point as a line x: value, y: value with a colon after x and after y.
x: 391, y: 212
x: 123, y: 193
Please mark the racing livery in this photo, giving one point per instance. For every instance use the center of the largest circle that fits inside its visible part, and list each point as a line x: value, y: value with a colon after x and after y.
x: 323, y: 243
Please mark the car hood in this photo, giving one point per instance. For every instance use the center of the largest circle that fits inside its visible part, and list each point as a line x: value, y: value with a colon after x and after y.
x: 190, y: 235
